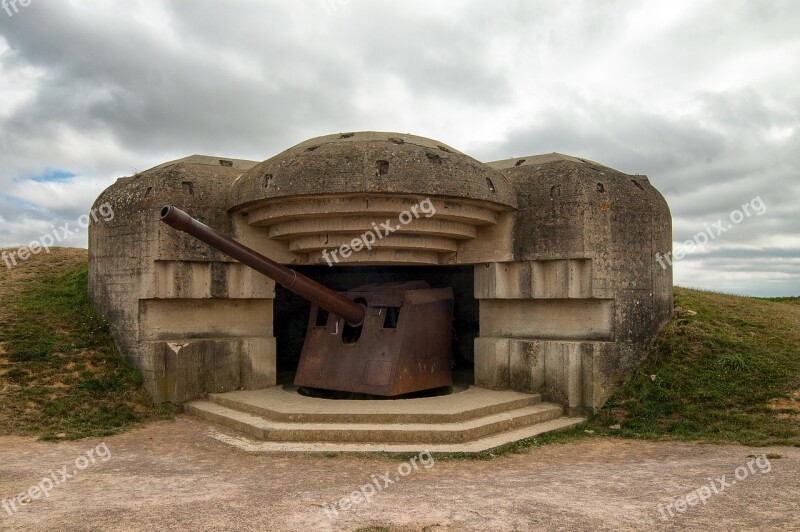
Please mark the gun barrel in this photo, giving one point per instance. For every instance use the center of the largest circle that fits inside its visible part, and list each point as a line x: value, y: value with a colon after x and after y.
x: 321, y: 295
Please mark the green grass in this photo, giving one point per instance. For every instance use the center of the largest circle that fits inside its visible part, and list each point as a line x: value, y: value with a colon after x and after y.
x: 61, y: 376
x: 794, y: 299
x: 726, y: 369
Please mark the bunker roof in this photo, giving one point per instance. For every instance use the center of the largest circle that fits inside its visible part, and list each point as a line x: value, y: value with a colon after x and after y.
x: 372, y: 162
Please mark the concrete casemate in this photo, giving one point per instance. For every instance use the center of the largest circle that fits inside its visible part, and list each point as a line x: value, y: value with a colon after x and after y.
x: 566, y: 295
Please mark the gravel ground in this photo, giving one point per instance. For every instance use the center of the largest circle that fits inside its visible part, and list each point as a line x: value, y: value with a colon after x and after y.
x: 174, y: 475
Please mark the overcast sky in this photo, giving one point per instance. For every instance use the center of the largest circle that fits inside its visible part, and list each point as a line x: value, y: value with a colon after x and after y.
x: 702, y: 96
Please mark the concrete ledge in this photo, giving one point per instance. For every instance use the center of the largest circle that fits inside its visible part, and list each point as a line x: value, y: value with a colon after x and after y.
x: 279, y: 404
x: 477, y: 446
x: 538, y: 279
x: 547, y: 319
x: 430, y: 433
x: 197, y: 279
x: 166, y: 319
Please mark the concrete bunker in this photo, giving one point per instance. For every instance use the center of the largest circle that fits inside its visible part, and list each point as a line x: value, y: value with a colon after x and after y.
x: 556, y: 253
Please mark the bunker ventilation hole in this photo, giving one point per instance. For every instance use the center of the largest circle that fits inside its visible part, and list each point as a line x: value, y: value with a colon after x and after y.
x: 395, y: 140
x: 600, y: 187
x: 188, y: 187
x: 148, y: 191
x: 435, y: 159
x: 490, y: 185
x: 267, y: 180
x: 443, y: 148
x: 223, y: 162
x: 640, y: 187
x: 555, y: 191
x: 312, y: 148
x: 520, y: 162
x: 346, y: 135
x: 381, y: 168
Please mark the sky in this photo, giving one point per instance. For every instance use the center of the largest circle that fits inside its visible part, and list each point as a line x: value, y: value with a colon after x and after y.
x: 701, y: 96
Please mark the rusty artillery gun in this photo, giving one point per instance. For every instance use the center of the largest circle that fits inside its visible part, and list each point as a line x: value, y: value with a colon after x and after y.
x: 388, y: 339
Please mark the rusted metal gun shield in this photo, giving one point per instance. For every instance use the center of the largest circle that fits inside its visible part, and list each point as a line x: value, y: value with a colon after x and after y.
x: 414, y: 355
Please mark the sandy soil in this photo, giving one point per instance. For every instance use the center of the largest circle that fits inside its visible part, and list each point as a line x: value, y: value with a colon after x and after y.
x: 174, y: 475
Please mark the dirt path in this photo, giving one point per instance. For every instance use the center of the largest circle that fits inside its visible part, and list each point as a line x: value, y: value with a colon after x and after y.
x: 174, y: 475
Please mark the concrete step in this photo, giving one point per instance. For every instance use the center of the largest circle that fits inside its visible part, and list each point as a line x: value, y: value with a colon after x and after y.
x: 384, y: 433
x: 279, y: 404
x: 481, y: 445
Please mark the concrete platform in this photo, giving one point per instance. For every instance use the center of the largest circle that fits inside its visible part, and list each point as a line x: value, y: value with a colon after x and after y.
x: 473, y: 420
x: 285, y: 404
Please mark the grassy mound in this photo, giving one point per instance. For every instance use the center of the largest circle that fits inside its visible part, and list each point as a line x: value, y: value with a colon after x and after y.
x: 726, y: 369
x: 60, y: 373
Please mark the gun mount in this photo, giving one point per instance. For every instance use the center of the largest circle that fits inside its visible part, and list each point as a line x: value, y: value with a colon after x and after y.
x: 388, y: 340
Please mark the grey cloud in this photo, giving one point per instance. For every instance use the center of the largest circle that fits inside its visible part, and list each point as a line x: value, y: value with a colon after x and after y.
x: 247, y: 79
x: 110, y: 74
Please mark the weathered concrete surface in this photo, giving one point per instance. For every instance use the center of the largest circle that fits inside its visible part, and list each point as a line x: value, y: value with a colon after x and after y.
x: 585, y: 297
x: 165, y: 294
x: 327, y: 191
x: 372, y: 162
x: 570, y: 296
x: 470, y: 420
x: 174, y: 476
x: 457, y: 436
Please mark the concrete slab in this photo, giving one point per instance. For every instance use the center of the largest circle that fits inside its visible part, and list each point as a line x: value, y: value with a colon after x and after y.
x: 478, y: 446
x: 457, y: 432
x: 281, y: 404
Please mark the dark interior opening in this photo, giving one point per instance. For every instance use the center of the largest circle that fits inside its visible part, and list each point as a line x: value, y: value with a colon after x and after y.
x: 292, y: 312
x: 392, y: 315
x: 322, y: 318
x: 351, y: 333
